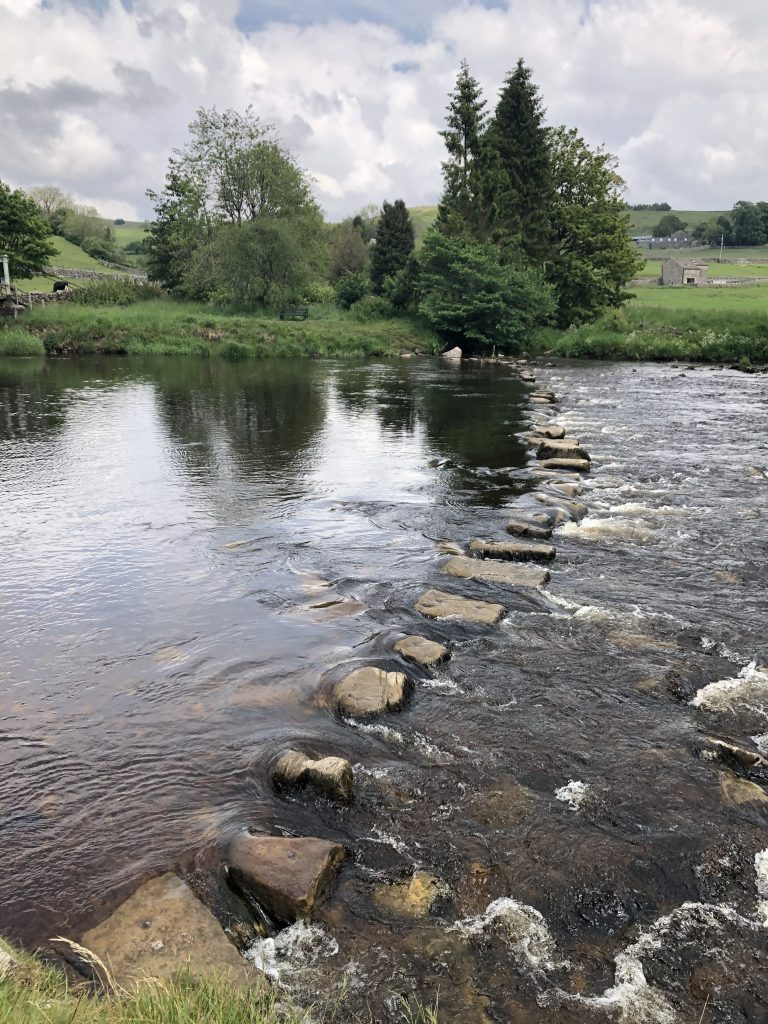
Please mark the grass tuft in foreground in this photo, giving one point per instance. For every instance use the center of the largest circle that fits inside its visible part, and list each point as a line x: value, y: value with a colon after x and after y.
x: 16, y: 341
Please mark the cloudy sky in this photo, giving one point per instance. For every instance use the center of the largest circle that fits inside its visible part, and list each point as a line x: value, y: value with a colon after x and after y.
x: 95, y: 93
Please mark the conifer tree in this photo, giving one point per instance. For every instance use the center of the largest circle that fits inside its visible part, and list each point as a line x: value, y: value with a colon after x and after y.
x: 394, y: 243
x: 462, y: 212
x: 519, y: 184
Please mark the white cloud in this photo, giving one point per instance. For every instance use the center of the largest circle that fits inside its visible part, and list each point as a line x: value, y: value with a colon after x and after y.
x: 94, y: 100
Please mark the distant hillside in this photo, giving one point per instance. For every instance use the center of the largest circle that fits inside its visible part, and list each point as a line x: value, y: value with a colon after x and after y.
x: 643, y: 221
x: 67, y: 255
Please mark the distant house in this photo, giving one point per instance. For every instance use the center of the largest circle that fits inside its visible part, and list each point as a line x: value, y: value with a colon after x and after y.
x: 675, y: 271
x: 679, y: 240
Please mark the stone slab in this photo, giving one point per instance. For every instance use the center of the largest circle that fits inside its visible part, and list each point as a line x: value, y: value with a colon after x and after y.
x: 520, y: 528
x: 577, y: 465
x: 552, y: 430
x: 436, y: 604
x: 576, y: 509
x: 161, y: 931
x: 516, y: 551
x: 565, y: 449
x: 422, y: 651
x: 289, y: 877
x: 509, y: 573
x: 570, y: 490
x: 331, y: 776
x: 370, y: 691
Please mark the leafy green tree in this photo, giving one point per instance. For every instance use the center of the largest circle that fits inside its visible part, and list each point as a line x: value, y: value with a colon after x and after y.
x: 473, y: 298
x: 668, y: 225
x: 23, y: 233
x: 348, y: 250
x: 351, y: 287
x: 594, y: 255
x: 54, y: 205
x: 366, y: 221
x: 519, y: 175
x: 747, y: 224
x: 462, y: 210
x: 394, y: 243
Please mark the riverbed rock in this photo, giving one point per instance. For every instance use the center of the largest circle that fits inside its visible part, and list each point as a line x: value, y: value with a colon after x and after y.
x: 453, y: 354
x: 527, y: 377
x: 739, y: 791
x: 422, y: 651
x: 552, y: 430
x: 538, y: 400
x: 162, y: 930
x: 577, y: 465
x: 566, y: 449
x: 436, y: 604
x: 575, y: 509
x: 370, y: 691
x: 729, y: 752
x: 413, y: 898
x: 570, y: 490
x: 520, y: 528
x: 331, y: 776
x: 516, y: 551
x: 289, y: 877
x: 509, y: 573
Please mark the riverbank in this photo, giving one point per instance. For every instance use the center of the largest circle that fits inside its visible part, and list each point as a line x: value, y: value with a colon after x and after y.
x: 165, y: 327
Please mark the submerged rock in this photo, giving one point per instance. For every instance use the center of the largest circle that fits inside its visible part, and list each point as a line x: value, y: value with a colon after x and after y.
x: 577, y: 465
x: 436, y: 604
x: 369, y: 691
x: 422, y: 651
x: 519, y: 528
x: 414, y: 898
x: 331, y: 776
x: 517, y: 551
x: 576, y: 509
x: 161, y: 930
x: 549, y: 396
x: 569, y: 449
x: 509, y: 573
x: 722, y: 751
x: 289, y: 877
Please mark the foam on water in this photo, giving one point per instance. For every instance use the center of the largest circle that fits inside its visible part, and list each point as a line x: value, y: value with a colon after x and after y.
x: 523, y: 926
x: 723, y: 651
x: 412, y: 739
x: 291, y: 952
x: 609, y: 528
x: 749, y: 689
x: 573, y: 794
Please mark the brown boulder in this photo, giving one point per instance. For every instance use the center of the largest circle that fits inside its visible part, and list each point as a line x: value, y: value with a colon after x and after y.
x: 516, y: 551
x: 288, y: 877
x: 577, y: 465
x: 519, y: 528
x: 332, y: 776
x: 369, y: 691
x: 568, y: 449
x: 508, y: 573
x: 161, y: 931
x: 422, y: 651
x: 436, y: 604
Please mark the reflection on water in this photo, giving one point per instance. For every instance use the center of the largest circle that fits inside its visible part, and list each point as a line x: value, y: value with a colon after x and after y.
x: 191, y: 549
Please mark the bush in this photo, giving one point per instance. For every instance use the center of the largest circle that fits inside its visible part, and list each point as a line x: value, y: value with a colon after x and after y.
x: 15, y: 341
x: 319, y: 293
x: 370, y: 308
x: 350, y: 288
x: 114, y: 293
x: 234, y: 350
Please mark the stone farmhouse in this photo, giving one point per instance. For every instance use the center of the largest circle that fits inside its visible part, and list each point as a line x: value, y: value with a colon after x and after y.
x: 676, y: 271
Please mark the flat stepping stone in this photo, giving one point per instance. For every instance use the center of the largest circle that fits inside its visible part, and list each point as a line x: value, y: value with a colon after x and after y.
x: 508, y: 573
x: 422, y: 651
x: 576, y: 509
x: 370, y: 691
x: 570, y: 490
x: 537, y: 400
x: 516, y: 551
x: 519, y: 528
x: 288, y: 877
x: 436, y: 604
x: 162, y: 929
x: 550, y: 430
x: 569, y: 449
x: 331, y: 776
x: 576, y: 465
x: 544, y: 393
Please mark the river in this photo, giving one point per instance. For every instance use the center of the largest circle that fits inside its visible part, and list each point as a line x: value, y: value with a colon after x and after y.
x: 192, y: 549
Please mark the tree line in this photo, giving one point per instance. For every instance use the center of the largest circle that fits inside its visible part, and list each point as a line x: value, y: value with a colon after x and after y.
x: 747, y: 224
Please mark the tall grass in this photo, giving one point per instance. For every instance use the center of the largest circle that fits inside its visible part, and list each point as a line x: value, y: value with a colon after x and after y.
x: 16, y: 341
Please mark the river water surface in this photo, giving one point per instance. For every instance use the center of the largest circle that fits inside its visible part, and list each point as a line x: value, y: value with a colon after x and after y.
x: 192, y: 552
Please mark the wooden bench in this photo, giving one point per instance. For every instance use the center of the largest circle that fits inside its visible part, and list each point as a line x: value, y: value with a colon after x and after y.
x: 294, y: 313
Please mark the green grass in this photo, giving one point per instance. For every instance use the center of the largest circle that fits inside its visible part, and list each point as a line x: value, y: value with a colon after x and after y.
x: 705, y: 301
x: 165, y: 327
x: 652, y: 269
x: 423, y: 218
x: 67, y: 255
x: 127, y: 233
x: 642, y: 221
x: 16, y: 341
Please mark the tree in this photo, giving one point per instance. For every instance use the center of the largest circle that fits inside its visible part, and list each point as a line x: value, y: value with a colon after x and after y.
x: 351, y: 287
x: 473, y: 298
x: 394, y: 243
x: 23, y: 233
x: 747, y: 222
x: 668, y: 225
x: 519, y: 176
x: 53, y: 203
x: 348, y: 250
x: 594, y: 255
x: 462, y: 210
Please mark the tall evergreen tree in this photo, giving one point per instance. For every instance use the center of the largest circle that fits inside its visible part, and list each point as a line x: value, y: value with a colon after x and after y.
x: 462, y: 211
x: 394, y: 243
x: 520, y: 176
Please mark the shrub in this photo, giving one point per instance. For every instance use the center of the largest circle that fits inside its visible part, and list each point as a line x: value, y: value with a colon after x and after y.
x: 319, y: 293
x: 372, y: 307
x: 15, y: 341
x: 350, y: 288
x: 114, y: 293
x: 234, y: 350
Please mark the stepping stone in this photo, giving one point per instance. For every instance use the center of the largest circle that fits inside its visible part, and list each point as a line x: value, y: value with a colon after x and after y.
x: 527, y: 376
x: 568, y: 489
x: 422, y: 651
x: 543, y: 393
x: 508, y: 573
x: 370, y: 691
x: 519, y: 528
x: 577, y: 465
x: 288, y: 877
x: 164, y: 929
x: 577, y: 509
x: 536, y: 400
x: 561, y: 449
x: 331, y: 776
x: 550, y: 430
x: 516, y: 551
x: 436, y: 604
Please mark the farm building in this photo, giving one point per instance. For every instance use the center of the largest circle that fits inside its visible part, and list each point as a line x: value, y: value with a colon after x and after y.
x: 685, y: 272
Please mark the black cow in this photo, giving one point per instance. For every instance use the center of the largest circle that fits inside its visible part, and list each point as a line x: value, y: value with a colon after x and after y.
x: 61, y: 286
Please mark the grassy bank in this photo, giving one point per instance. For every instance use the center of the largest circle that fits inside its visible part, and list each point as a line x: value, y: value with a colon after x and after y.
x: 164, y: 327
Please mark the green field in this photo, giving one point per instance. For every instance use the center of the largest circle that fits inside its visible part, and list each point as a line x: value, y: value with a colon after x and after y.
x: 133, y: 231
x: 652, y: 269
x: 67, y: 255
x: 642, y: 221
x: 702, y: 300
x: 423, y: 217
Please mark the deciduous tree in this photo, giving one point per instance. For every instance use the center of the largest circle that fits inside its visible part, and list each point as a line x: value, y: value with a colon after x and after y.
x: 23, y: 233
